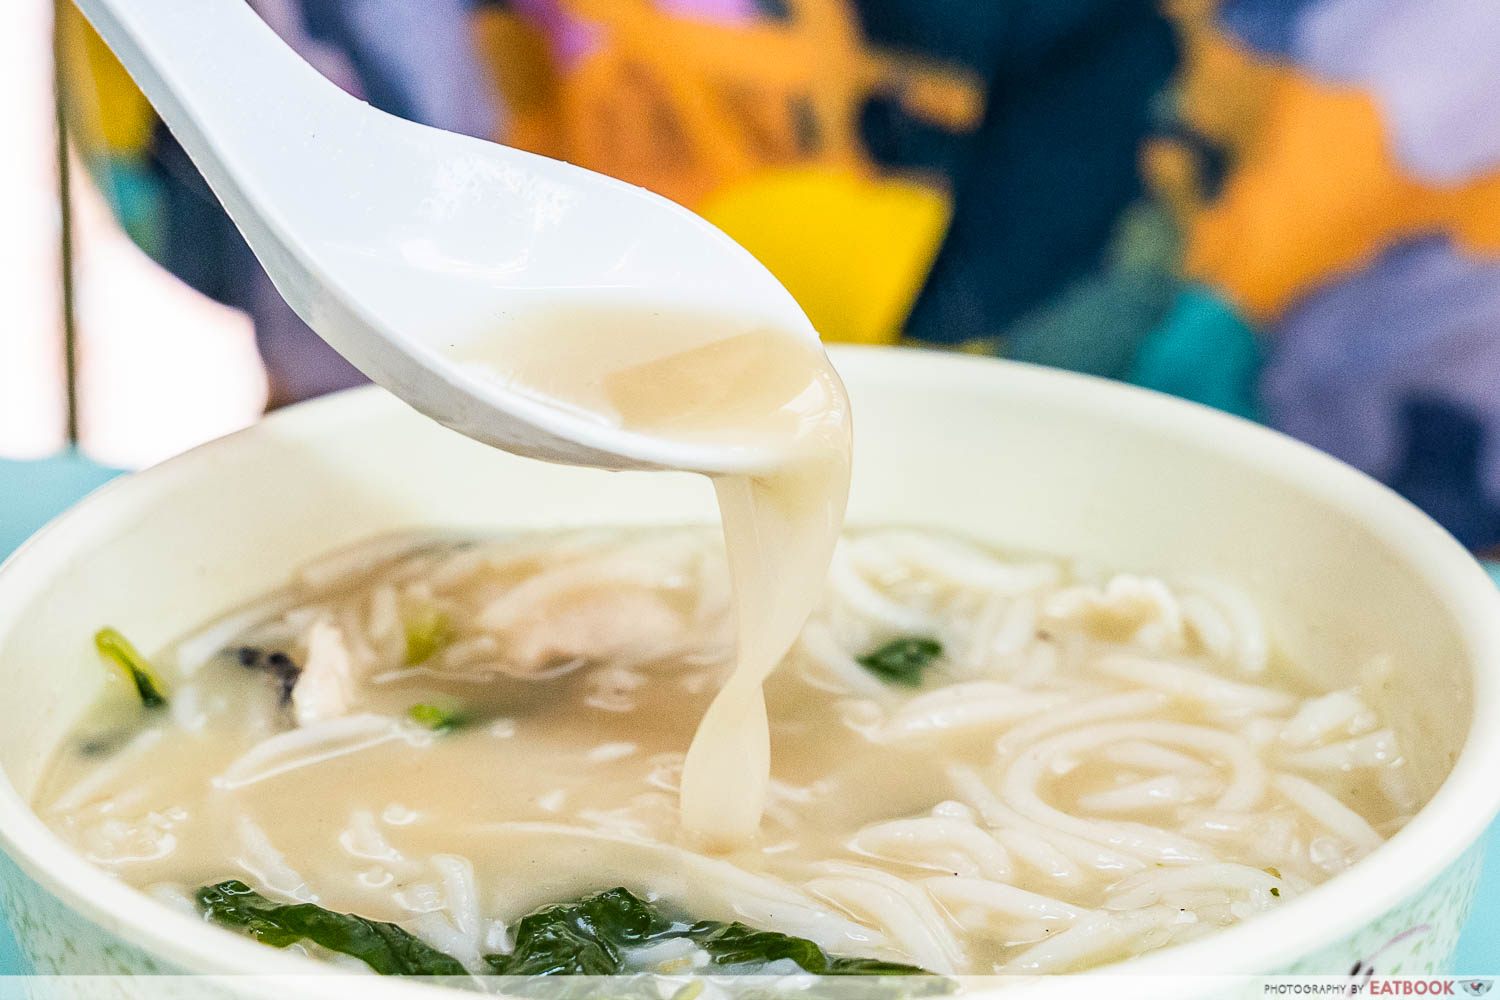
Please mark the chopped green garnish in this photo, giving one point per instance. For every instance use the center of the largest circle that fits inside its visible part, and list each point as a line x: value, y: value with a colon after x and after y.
x: 427, y: 632
x: 386, y: 948
x: 116, y: 649
x: 433, y: 717
x: 1272, y: 871
x: 1275, y: 892
x: 590, y: 937
x: 901, y: 661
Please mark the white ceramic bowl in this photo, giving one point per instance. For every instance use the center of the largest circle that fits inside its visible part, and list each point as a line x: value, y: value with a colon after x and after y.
x: 1022, y: 457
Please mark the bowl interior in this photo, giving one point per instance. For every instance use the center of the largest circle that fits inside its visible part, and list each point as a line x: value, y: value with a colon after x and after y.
x: 1349, y: 578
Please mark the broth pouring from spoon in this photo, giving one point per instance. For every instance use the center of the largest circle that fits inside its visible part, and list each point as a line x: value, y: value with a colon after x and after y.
x: 698, y: 379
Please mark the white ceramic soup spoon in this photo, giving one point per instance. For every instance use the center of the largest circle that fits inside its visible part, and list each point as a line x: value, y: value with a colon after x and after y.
x: 397, y: 242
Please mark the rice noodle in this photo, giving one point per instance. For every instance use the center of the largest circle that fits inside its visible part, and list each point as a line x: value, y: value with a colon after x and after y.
x: 1001, y: 899
x: 935, y: 842
x: 1183, y: 681
x: 1096, y: 938
x: 1149, y: 793
x: 1151, y: 887
x: 342, y: 566
x: 1334, y: 714
x: 1143, y: 606
x: 851, y: 589
x: 1148, y: 756
x: 1046, y: 846
x: 903, y: 909
x: 1113, y: 706
x: 308, y: 747
x: 1375, y: 749
x: 961, y: 565
x: 975, y: 705
x: 1328, y: 811
x: 1239, y: 635
x: 266, y: 865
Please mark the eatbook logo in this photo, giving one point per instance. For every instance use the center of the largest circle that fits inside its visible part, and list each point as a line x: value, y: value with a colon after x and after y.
x: 1477, y: 987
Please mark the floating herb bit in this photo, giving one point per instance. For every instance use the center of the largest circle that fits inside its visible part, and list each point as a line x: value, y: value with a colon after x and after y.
x: 902, y: 661
x: 434, y: 718
x: 384, y: 947
x: 116, y: 649
x: 427, y: 632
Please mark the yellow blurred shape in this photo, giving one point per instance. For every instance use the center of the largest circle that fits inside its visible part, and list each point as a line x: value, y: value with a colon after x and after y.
x: 106, y: 109
x: 517, y: 56
x: 853, y: 250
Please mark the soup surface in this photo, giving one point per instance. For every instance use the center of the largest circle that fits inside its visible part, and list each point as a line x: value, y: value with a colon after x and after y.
x: 979, y: 762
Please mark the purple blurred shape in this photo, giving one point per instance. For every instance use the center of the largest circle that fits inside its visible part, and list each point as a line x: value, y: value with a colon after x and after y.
x: 1421, y: 323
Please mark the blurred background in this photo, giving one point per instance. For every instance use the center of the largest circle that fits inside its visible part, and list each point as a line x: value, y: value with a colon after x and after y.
x: 1287, y: 209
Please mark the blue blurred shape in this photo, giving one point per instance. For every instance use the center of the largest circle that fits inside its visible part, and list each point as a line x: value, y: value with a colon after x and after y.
x: 31, y: 493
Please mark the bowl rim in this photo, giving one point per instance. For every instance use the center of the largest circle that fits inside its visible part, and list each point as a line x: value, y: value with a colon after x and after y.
x: 1441, y: 832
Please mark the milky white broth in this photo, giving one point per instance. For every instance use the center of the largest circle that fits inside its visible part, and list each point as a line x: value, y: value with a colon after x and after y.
x: 1097, y: 764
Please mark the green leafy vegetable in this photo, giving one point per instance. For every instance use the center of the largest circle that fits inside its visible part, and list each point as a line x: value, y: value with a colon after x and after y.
x: 434, y: 718
x: 384, y: 947
x: 585, y: 938
x: 737, y: 944
x: 116, y: 649
x: 901, y: 661
x: 590, y: 937
x: 427, y: 632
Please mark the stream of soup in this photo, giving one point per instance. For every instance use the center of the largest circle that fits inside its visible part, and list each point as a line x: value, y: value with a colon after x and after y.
x: 705, y: 379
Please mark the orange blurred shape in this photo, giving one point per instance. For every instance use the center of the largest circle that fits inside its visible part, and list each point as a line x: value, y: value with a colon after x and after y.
x: 1321, y: 193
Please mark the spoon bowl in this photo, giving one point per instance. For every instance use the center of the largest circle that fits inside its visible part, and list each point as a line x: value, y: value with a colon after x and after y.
x: 400, y: 244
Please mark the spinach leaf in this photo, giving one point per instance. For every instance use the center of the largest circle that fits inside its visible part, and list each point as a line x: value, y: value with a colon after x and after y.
x: 116, y: 649
x: 738, y: 944
x: 901, y: 661
x: 585, y: 938
x: 384, y: 947
x: 589, y: 938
